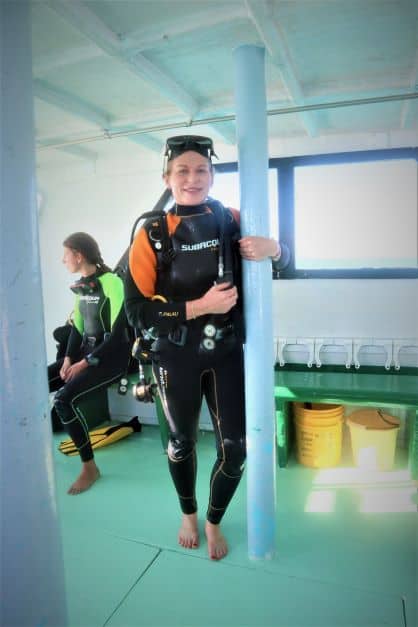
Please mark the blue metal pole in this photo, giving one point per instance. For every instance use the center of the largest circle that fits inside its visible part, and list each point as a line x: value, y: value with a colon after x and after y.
x: 251, y: 118
x: 31, y: 565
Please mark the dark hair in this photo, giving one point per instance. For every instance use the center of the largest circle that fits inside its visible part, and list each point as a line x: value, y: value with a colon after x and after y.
x: 86, y: 245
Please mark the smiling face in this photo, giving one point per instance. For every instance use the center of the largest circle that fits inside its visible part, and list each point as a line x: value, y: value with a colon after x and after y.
x: 189, y: 177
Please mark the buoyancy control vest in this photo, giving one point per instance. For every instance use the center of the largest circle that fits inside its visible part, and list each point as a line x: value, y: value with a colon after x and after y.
x: 99, y: 298
x: 201, y: 250
x: 199, y: 247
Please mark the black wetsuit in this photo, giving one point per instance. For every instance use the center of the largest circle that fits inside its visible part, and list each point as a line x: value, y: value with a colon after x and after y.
x: 186, y: 366
x: 60, y: 335
x: 100, y: 330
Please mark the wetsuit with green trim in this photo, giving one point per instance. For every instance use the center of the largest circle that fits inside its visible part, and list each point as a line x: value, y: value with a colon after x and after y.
x: 99, y: 333
x: 186, y: 366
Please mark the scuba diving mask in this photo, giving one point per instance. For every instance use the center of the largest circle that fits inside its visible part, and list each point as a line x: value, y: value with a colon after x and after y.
x: 175, y: 146
x: 85, y: 285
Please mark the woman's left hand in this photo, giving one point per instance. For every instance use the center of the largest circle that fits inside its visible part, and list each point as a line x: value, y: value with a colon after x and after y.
x: 255, y: 248
x: 76, y: 369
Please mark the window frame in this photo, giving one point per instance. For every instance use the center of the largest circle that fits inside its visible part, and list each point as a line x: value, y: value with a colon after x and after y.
x: 285, y: 167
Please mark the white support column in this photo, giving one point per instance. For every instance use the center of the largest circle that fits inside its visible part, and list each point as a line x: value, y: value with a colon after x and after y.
x: 31, y: 575
x: 251, y: 108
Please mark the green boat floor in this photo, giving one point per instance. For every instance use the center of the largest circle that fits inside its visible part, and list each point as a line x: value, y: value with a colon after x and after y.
x: 346, y: 547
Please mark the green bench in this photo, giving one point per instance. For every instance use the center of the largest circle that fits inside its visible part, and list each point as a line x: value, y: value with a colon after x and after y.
x: 370, y: 387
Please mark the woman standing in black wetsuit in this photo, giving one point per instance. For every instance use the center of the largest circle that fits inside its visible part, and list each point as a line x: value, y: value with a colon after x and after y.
x: 98, y: 348
x: 190, y: 297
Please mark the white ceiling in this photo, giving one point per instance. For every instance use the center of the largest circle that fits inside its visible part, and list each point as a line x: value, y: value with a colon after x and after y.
x: 103, y: 68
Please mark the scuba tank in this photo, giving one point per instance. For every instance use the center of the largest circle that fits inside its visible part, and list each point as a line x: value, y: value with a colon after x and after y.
x: 144, y: 390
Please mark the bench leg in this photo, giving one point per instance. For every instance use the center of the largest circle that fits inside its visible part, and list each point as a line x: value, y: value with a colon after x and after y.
x: 413, y: 445
x: 282, y: 431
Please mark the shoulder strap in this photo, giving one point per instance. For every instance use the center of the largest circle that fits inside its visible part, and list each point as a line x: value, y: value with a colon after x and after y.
x: 158, y: 210
x: 148, y: 217
x: 159, y: 238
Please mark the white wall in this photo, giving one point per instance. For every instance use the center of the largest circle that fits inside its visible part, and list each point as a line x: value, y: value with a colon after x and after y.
x: 361, y: 322
x: 346, y: 308
x: 104, y: 199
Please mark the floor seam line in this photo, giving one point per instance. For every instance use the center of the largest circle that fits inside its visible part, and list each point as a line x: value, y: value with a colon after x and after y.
x: 146, y: 569
x: 251, y: 568
x: 403, y: 599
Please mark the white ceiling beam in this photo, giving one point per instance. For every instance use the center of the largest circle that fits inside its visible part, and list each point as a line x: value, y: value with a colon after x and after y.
x: 70, y: 103
x: 81, y: 153
x: 85, y: 21
x: 172, y: 127
x: 81, y: 109
x: 274, y: 41
x: 147, y: 141
x: 228, y: 132
x: 354, y: 89
x: 225, y: 134
x: 71, y: 146
x: 47, y: 63
x: 163, y: 83
x: 77, y: 151
x: 155, y: 34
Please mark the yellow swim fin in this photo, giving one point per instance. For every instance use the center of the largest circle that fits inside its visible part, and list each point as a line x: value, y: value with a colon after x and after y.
x: 104, y: 436
x: 69, y: 448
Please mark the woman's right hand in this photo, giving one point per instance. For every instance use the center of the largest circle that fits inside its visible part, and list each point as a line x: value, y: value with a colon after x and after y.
x: 219, y: 299
x: 64, y: 368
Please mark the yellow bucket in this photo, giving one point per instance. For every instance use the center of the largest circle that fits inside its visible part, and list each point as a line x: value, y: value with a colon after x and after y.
x: 318, y: 434
x: 318, y: 414
x: 318, y: 409
x: 373, y: 438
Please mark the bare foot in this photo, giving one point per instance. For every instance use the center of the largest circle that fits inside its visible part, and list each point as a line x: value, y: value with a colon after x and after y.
x: 88, y: 475
x: 188, y: 532
x: 217, y: 546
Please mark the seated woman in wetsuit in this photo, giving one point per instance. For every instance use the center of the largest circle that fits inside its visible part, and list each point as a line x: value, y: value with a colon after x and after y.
x: 190, y: 297
x: 98, y: 348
